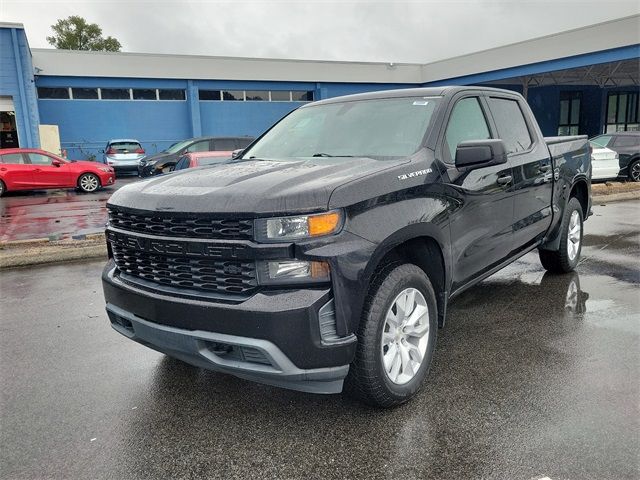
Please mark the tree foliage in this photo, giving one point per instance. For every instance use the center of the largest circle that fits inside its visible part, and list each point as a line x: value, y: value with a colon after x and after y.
x: 74, y: 33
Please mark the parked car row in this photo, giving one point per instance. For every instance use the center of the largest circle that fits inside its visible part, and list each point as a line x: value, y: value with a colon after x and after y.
x: 167, y: 160
x: 614, y: 155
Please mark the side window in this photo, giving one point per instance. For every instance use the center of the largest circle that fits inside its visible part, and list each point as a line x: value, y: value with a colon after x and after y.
x: 626, y: 141
x: 39, y: 159
x: 466, y: 122
x: 183, y: 163
x: 13, y: 158
x: 511, y: 125
x: 225, y: 144
x: 199, y: 147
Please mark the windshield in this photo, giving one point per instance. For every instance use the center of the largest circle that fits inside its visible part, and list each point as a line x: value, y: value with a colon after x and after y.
x: 176, y: 147
x: 389, y: 127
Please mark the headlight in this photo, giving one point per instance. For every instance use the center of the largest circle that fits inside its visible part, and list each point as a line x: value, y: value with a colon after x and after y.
x: 298, y: 227
x: 279, y: 272
x: 106, y: 169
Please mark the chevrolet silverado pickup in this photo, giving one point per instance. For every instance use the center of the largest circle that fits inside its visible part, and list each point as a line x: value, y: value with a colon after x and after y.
x: 324, y: 255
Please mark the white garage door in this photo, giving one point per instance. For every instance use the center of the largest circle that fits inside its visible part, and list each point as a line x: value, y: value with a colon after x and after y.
x: 6, y: 104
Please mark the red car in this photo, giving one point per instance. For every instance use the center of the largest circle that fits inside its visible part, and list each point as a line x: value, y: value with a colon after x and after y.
x: 200, y: 159
x: 34, y: 169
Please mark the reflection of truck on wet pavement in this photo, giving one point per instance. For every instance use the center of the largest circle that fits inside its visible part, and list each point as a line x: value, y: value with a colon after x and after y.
x: 327, y: 252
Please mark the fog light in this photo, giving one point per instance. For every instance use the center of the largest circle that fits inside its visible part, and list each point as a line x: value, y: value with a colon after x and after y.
x: 278, y: 272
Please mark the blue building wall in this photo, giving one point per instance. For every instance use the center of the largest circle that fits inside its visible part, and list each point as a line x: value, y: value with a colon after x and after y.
x: 17, y: 82
x: 86, y: 125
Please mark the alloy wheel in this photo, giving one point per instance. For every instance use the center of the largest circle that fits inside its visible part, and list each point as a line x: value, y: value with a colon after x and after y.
x: 574, y: 235
x: 405, y: 336
x: 89, y: 183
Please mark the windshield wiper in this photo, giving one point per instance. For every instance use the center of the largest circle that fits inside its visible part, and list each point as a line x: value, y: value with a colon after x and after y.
x: 329, y: 155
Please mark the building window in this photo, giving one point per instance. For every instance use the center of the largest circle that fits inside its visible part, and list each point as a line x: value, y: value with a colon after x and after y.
x: 257, y: 95
x: 622, y: 112
x: 569, y: 123
x: 298, y: 96
x: 115, y: 94
x: 144, y: 94
x: 53, y: 92
x: 171, y: 94
x: 84, y: 93
x: 280, y: 96
x: 233, y: 95
x: 208, y: 95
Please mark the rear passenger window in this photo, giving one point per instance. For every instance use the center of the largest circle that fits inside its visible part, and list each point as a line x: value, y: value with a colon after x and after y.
x: 225, y: 144
x: 512, y: 128
x: 467, y: 122
x: 12, y: 158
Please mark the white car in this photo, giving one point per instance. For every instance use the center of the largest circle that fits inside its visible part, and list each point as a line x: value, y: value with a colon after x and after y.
x: 123, y: 154
x: 604, y: 163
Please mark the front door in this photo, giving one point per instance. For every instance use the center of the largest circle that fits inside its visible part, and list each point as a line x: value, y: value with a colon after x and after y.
x: 47, y: 175
x: 481, y: 220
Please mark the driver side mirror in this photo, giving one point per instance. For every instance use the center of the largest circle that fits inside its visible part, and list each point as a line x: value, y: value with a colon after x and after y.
x: 237, y: 153
x: 474, y: 154
x: 56, y: 163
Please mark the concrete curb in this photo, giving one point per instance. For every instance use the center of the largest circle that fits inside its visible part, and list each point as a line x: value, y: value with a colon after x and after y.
x: 615, y: 197
x: 37, y: 253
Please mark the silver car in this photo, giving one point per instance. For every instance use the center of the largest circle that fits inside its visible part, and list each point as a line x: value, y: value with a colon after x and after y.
x: 123, y: 154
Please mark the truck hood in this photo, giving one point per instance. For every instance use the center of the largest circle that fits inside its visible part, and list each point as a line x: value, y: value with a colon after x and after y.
x: 250, y: 186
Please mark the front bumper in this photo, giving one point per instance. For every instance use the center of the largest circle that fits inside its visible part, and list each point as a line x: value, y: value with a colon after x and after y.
x: 272, y: 337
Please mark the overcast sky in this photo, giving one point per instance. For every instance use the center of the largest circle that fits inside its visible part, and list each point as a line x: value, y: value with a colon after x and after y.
x: 398, y: 31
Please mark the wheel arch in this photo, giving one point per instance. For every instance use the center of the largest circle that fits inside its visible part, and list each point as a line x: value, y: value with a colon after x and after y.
x: 422, y: 247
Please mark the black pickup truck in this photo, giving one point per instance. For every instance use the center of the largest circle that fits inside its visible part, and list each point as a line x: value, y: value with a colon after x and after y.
x: 325, y: 254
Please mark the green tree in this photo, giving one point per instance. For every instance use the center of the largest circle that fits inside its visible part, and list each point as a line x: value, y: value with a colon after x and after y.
x: 74, y: 33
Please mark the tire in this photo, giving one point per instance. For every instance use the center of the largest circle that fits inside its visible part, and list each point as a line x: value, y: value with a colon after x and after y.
x: 633, y: 171
x: 3, y: 188
x: 88, y: 182
x: 368, y: 378
x: 565, y: 259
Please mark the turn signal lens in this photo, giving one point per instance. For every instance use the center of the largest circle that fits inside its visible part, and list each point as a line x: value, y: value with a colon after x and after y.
x: 323, y: 224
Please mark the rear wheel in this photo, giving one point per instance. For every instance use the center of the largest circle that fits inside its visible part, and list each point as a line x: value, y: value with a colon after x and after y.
x: 88, y: 182
x: 3, y: 188
x: 396, y: 338
x: 634, y: 171
x: 566, y: 258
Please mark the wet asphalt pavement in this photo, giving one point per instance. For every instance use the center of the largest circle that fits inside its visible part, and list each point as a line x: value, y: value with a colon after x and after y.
x: 60, y: 212
x: 534, y: 375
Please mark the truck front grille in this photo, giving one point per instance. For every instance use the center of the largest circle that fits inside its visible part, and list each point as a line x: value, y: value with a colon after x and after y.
x: 183, y: 272
x: 170, y: 224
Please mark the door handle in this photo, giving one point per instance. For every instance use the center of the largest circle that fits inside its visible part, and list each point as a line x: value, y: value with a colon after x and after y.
x: 544, y: 168
x: 37, y: 170
x: 504, y: 180
x: 3, y: 169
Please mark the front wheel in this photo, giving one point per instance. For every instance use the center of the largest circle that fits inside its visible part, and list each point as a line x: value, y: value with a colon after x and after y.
x: 2, y: 188
x: 396, y: 338
x: 88, y: 182
x: 566, y: 258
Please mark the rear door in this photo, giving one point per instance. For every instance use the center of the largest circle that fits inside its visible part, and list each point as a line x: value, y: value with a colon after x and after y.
x: 481, y: 221
x: 15, y: 171
x: 532, y: 169
x: 47, y: 175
